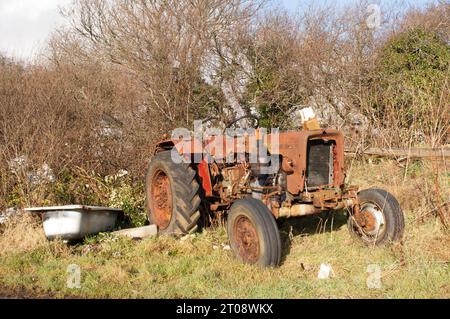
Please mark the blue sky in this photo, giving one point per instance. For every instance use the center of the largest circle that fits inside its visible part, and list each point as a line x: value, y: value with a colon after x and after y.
x: 293, y: 5
x: 25, y: 25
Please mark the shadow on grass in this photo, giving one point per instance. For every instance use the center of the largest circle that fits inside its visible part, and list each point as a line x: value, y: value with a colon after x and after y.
x: 326, y: 222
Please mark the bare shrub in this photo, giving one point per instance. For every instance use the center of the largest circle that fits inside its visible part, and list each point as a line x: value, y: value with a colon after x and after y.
x: 434, y: 18
x: 330, y: 58
x: 63, y: 117
x: 163, y: 45
x: 321, y: 58
x: 124, y: 73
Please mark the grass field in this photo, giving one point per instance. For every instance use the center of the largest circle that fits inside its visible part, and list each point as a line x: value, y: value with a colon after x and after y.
x: 199, y: 267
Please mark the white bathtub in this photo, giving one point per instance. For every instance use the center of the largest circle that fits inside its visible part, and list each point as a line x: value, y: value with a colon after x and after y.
x: 77, y: 221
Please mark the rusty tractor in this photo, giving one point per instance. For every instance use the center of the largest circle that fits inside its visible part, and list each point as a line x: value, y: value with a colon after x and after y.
x: 295, y: 173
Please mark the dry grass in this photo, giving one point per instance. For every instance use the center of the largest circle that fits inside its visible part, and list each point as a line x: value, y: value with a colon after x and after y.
x: 22, y: 234
x: 420, y: 186
x: 167, y: 268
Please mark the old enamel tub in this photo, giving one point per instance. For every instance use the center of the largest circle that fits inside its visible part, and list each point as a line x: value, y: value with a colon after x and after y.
x: 76, y: 221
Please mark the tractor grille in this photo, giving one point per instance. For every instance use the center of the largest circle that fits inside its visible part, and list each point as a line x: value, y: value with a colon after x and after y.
x: 319, y: 171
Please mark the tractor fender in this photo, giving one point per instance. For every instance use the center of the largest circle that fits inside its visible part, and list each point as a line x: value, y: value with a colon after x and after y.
x: 187, y: 148
x: 184, y: 147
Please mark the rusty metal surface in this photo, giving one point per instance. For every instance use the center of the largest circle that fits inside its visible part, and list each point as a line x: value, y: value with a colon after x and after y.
x: 366, y: 221
x: 205, y: 178
x: 294, y: 147
x: 224, y: 182
x: 246, y: 238
x: 161, y: 199
x: 369, y: 219
x: 298, y: 210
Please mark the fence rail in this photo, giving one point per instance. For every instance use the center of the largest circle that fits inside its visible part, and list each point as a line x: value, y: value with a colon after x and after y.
x: 405, y: 153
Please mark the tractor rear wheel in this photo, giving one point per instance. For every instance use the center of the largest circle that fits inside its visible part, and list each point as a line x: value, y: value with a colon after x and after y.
x: 172, y: 196
x: 380, y: 219
x: 253, y: 233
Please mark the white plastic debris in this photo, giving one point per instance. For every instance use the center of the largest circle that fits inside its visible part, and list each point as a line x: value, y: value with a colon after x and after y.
x: 187, y: 237
x: 226, y: 247
x: 42, y: 175
x: 7, y: 214
x: 17, y: 164
x: 117, y: 254
x: 307, y: 114
x: 122, y: 173
x: 325, y: 272
x: 46, y: 173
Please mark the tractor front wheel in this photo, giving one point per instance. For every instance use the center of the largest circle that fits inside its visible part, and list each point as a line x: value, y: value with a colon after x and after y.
x: 253, y: 233
x: 379, y: 219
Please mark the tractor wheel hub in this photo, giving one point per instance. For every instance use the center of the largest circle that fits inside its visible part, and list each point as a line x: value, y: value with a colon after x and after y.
x: 247, y: 240
x: 370, y: 219
x: 161, y: 194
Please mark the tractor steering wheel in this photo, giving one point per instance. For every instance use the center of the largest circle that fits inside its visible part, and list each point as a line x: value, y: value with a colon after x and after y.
x: 248, y: 116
